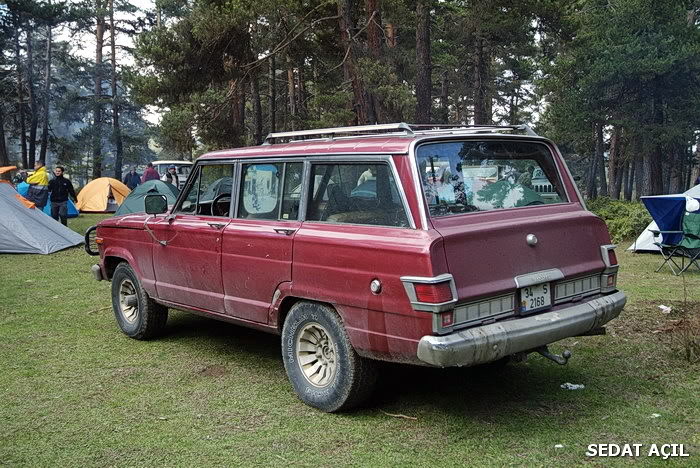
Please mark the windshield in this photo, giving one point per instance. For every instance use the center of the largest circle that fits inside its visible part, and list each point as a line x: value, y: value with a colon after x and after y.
x: 467, y: 176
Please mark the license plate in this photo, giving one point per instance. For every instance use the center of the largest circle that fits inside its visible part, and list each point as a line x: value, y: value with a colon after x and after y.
x: 535, y: 297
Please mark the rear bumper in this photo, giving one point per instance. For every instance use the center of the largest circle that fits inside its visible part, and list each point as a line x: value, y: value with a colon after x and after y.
x: 488, y: 343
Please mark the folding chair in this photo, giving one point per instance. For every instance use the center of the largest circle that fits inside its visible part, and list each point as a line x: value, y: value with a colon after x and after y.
x: 682, y: 244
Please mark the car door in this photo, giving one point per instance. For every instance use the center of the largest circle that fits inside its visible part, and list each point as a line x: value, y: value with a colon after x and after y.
x: 187, y: 260
x: 257, y: 243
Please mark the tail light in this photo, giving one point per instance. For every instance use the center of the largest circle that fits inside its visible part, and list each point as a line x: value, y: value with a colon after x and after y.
x: 437, y: 293
x: 608, y: 280
x: 608, y: 254
x: 431, y: 294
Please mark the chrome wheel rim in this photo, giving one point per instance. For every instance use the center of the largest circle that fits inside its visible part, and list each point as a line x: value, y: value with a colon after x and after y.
x: 128, y: 301
x: 316, y: 355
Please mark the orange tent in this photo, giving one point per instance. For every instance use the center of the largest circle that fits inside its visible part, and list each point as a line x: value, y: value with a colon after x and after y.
x: 102, y: 195
x: 5, y: 169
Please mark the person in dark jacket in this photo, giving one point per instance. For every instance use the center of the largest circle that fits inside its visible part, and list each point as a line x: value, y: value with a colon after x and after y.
x: 171, y: 176
x: 60, y: 189
x: 132, y: 179
x: 150, y: 173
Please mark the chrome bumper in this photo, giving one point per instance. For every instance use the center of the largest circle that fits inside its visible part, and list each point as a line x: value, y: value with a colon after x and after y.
x: 491, y: 342
x: 96, y: 272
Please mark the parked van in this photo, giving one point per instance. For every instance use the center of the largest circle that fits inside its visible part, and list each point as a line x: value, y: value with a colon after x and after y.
x: 183, y: 169
x: 349, y: 244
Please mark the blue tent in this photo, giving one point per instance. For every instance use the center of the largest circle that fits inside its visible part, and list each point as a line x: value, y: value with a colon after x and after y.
x: 72, y: 210
x: 668, y: 212
x: 23, y: 189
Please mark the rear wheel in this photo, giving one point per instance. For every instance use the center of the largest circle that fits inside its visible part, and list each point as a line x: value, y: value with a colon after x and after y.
x: 137, y: 315
x: 321, y: 364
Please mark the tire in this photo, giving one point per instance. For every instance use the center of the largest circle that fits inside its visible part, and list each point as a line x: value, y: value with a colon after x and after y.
x: 313, y: 337
x: 142, y: 320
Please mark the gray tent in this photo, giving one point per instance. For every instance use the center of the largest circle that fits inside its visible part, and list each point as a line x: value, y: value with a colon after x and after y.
x: 645, y: 241
x: 28, y: 230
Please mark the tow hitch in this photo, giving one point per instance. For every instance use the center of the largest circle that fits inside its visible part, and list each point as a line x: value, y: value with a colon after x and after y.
x: 561, y: 360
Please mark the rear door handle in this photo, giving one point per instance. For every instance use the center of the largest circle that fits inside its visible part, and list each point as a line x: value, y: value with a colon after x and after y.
x: 216, y: 225
x: 286, y: 232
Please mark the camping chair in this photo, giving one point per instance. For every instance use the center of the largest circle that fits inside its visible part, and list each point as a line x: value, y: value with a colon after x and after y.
x: 682, y: 244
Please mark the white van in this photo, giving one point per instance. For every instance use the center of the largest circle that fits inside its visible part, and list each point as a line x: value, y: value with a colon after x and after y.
x: 183, y: 170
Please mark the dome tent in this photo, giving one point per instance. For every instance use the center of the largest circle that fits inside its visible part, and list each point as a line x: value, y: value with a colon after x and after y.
x: 96, y: 196
x: 134, y: 203
x: 25, y: 230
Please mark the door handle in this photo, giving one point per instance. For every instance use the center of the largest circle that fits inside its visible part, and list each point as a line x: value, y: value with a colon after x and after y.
x: 216, y: 225
x: 286, y: 232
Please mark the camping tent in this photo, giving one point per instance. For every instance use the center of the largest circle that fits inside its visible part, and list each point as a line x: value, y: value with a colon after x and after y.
x: 25, y: 230
x: 134, y: 202
x: 72, y: 210
x: 102, y: 195
x: 645, y: 241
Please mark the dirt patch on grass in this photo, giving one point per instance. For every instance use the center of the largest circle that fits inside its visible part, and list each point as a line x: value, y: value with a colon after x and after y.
x: 215, y: 370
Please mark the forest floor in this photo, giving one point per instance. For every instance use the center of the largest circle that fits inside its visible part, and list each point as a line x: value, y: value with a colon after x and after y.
x: 74, y: 391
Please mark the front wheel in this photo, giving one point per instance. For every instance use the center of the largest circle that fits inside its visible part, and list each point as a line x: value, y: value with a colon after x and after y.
x: 321, y: 364
x: 138, y: 316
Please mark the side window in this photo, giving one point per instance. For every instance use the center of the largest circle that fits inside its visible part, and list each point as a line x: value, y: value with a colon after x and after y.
x: 355, y: 194
x: 210, y: 192
x: 291, y: 197
x: 189, y: 203
x: 270, y: 191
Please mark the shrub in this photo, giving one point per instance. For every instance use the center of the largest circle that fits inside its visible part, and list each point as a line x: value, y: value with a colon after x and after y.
x: 625, y: 219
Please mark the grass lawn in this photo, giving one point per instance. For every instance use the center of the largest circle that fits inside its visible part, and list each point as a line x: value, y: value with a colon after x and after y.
x: 74, y: 391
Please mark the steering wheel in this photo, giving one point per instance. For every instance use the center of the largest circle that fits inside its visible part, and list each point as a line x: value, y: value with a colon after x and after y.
x: 220, y: 204
x: 535, y: 202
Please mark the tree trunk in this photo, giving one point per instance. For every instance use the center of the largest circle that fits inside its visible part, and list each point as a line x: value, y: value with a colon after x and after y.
x: 600, y: 159
x: 656, y: 157
x: 624, y: 180
x: 423, y: 62
x: 641, y: 176
x: 615, y: 164
x: 272, y: 95
x: 34, y: 120
x: 116, y: 128
x: 444, y: 99
x: 291, y: 93
x: 374, y: 28
x: 20, y: 101
x: 97, y: 104
x: 257, y: 110
x: 47, y: 98
x: 629, y: 185
x: 4, y: 159
x: 350, y: 72
x: 481, y: 96
x: 591, y: 188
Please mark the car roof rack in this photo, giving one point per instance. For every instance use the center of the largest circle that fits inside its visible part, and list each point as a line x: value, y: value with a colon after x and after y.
x: 392, y: 129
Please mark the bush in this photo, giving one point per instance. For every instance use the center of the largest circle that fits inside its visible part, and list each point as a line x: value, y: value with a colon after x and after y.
x: 625, y: 220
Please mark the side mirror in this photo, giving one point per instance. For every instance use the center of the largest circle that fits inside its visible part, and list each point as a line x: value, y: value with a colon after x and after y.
x: 577, y: 178
x: 155, y: 204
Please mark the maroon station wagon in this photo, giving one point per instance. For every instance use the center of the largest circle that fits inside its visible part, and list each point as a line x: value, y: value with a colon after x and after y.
x: 414, y: 244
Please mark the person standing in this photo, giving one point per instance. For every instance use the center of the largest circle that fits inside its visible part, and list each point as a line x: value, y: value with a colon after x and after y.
x: 39, y: 185
x: 150, y: 173
x: 60, y: 188
x: 171, y: 176
x: 132, y: 179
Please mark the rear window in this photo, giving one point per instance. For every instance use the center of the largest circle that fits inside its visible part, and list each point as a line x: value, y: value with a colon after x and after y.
x: 467, y: 176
